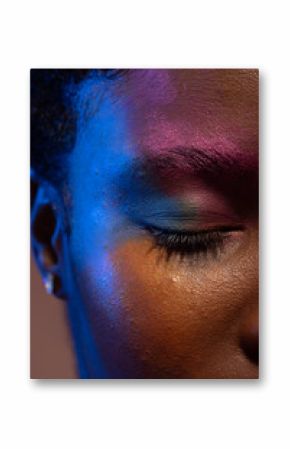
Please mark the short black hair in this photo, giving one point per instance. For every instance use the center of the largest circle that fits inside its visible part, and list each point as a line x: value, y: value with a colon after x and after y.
x: 53, y: 120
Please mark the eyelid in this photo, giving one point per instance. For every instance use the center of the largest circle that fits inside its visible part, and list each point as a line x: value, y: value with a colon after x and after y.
x: 200, y: 230
x: 190, y: 220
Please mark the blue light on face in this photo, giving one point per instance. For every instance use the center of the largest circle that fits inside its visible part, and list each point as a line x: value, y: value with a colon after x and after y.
x: 108, y: 207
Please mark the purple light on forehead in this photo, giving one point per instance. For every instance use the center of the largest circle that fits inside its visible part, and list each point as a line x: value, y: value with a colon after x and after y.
x: 160, y: 89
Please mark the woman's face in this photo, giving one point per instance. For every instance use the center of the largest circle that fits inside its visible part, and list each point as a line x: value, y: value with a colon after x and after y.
x: 162, y: 258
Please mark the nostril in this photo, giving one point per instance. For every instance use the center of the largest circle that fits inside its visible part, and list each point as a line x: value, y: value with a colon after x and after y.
x: 249, y: 338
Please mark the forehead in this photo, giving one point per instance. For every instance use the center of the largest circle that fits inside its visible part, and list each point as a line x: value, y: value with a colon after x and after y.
x: 150, y: 110
x: 182, y: 86
x: 198, y: 104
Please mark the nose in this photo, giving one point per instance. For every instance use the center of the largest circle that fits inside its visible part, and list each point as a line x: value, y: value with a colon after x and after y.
x: 249, y: 336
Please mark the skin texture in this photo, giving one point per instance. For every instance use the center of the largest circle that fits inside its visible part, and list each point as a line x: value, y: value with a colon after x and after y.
x: 135, y: 310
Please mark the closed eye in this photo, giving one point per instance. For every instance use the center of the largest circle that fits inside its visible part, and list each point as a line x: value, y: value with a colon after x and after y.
x: 191, y: 243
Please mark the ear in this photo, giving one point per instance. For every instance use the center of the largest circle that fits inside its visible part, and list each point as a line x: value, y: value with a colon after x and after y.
x: 46, y: 236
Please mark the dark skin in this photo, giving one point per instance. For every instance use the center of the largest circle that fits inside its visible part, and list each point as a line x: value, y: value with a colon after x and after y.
x: 135, y: 186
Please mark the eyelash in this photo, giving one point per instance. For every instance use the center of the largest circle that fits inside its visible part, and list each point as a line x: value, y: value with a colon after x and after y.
x: 193, y: 244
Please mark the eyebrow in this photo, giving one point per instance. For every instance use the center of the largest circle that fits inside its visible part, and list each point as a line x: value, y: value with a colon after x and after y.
x: 193, y: 161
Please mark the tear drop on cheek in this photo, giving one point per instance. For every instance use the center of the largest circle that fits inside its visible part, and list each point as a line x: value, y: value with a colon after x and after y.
x: 175, y: 278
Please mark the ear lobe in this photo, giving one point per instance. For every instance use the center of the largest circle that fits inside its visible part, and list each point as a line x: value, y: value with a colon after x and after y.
x: 46, y: 238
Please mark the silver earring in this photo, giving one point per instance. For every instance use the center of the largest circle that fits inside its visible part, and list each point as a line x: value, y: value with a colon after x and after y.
x: 49, y: 284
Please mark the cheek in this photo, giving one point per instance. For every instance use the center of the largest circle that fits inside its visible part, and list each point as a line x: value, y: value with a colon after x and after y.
x: 149, y: 314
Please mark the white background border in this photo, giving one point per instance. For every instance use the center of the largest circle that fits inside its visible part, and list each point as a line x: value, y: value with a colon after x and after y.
x: 157, y: 414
